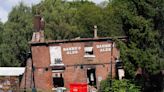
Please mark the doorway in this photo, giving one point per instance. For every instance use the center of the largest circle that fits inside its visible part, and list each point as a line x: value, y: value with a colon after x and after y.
x: 58, y: 80
x: 91, y: 76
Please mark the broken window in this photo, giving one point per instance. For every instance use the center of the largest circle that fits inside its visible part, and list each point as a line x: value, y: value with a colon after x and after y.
x: 88, y: 52
x: 58, y: 80
x: 88, y: 49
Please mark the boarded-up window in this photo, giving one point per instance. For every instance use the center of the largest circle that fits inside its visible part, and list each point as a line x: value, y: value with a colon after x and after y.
x: 55, y: 54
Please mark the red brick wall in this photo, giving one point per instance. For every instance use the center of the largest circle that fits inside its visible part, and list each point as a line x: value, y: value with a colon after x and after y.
x: 73, y: 72
x: 71, y: 59
x: 74, y: 75
x: 27, y: 80
x: 41, y: 61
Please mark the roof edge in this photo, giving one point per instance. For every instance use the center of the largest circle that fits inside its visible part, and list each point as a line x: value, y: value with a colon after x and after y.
x: 110, y: 39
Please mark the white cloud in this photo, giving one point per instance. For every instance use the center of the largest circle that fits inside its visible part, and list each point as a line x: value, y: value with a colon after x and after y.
x: 98, y: 1
x: 6, y: 7
x: 3, y: 15
x: 31, y: 2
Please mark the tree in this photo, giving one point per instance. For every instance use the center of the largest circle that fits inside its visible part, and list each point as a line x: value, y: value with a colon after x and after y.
x: 159, y: 22
x: 118, y: 86
x: 137, y: 24
x: 1, y: 30
x: 66, y: 20
x: 59, y: 18
x: 17, y: 32
x: 111, y: 24
x: 88, y: 15
x: 142, y: 49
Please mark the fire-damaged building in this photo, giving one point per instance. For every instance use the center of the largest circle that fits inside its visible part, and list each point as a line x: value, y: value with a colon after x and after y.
x: 59, y: 63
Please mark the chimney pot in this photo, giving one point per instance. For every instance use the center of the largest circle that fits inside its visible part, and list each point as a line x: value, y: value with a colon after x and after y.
x: 37, y: 23
x: 95, y: 31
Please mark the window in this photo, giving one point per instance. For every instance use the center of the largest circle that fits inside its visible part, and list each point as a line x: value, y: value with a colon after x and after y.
x: 58, y: 80
x: 57, y: 61
x: 91, y: 76
x: 55, y: 55
x: 88, y: 52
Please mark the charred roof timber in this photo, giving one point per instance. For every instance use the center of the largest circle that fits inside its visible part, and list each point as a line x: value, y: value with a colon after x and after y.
x: 109, y: 39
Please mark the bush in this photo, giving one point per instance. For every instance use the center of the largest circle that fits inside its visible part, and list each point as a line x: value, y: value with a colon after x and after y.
x: 118, y: 86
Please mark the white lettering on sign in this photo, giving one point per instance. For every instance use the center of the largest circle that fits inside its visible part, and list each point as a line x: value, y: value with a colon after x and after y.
x: 72, y: 50
x: 104, y: 47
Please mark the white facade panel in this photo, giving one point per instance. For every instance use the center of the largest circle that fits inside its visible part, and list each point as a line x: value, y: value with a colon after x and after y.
x: 55, y: 54
x: 121, y: 73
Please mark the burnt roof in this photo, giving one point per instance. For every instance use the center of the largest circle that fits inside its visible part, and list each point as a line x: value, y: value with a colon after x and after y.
x: 110, y: 39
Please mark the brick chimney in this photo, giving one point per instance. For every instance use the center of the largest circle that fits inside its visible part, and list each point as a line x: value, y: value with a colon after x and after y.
x: 38, y: 35
x: 95, y: 31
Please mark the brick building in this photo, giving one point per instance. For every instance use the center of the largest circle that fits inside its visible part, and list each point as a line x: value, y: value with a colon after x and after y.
x: 62, y: 62
x: 59, y: 63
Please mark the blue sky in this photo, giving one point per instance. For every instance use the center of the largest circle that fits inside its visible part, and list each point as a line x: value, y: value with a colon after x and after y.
x: 6, y: 6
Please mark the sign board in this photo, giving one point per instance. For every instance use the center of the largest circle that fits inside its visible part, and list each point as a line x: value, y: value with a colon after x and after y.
x: 104, y: 47
x: 72, y: 50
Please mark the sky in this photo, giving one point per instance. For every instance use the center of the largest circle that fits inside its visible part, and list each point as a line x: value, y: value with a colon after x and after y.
x: 6, y: 6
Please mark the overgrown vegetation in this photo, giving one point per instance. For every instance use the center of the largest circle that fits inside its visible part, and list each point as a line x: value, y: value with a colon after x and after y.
x: 118, y: 86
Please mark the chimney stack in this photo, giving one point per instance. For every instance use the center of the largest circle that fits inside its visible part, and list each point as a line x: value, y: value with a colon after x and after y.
x: 38, y: 23
x: 95, y: 31
x: 38, y: 35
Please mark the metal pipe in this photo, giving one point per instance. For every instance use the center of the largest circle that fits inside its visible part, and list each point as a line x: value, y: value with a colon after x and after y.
x: 111, y: 65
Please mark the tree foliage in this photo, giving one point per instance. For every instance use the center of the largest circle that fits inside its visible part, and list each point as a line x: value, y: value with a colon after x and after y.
x: 65, y: 20
x: 118, y: 86
x: 143, y: 47
x: 17, y: 32
x: 137, y: 22
x: 59, y: 18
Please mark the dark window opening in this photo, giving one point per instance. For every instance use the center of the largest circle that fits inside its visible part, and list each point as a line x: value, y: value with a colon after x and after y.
x: 89, y: 52
x: 88, y: 48
x: 91, y: 75
x: 58, y: 61
x: 58, y: 80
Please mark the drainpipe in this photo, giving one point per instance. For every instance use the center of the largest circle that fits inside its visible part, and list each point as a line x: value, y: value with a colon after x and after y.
x: 111, y: 58
x: 32, y: 74
x: 111, y: 63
